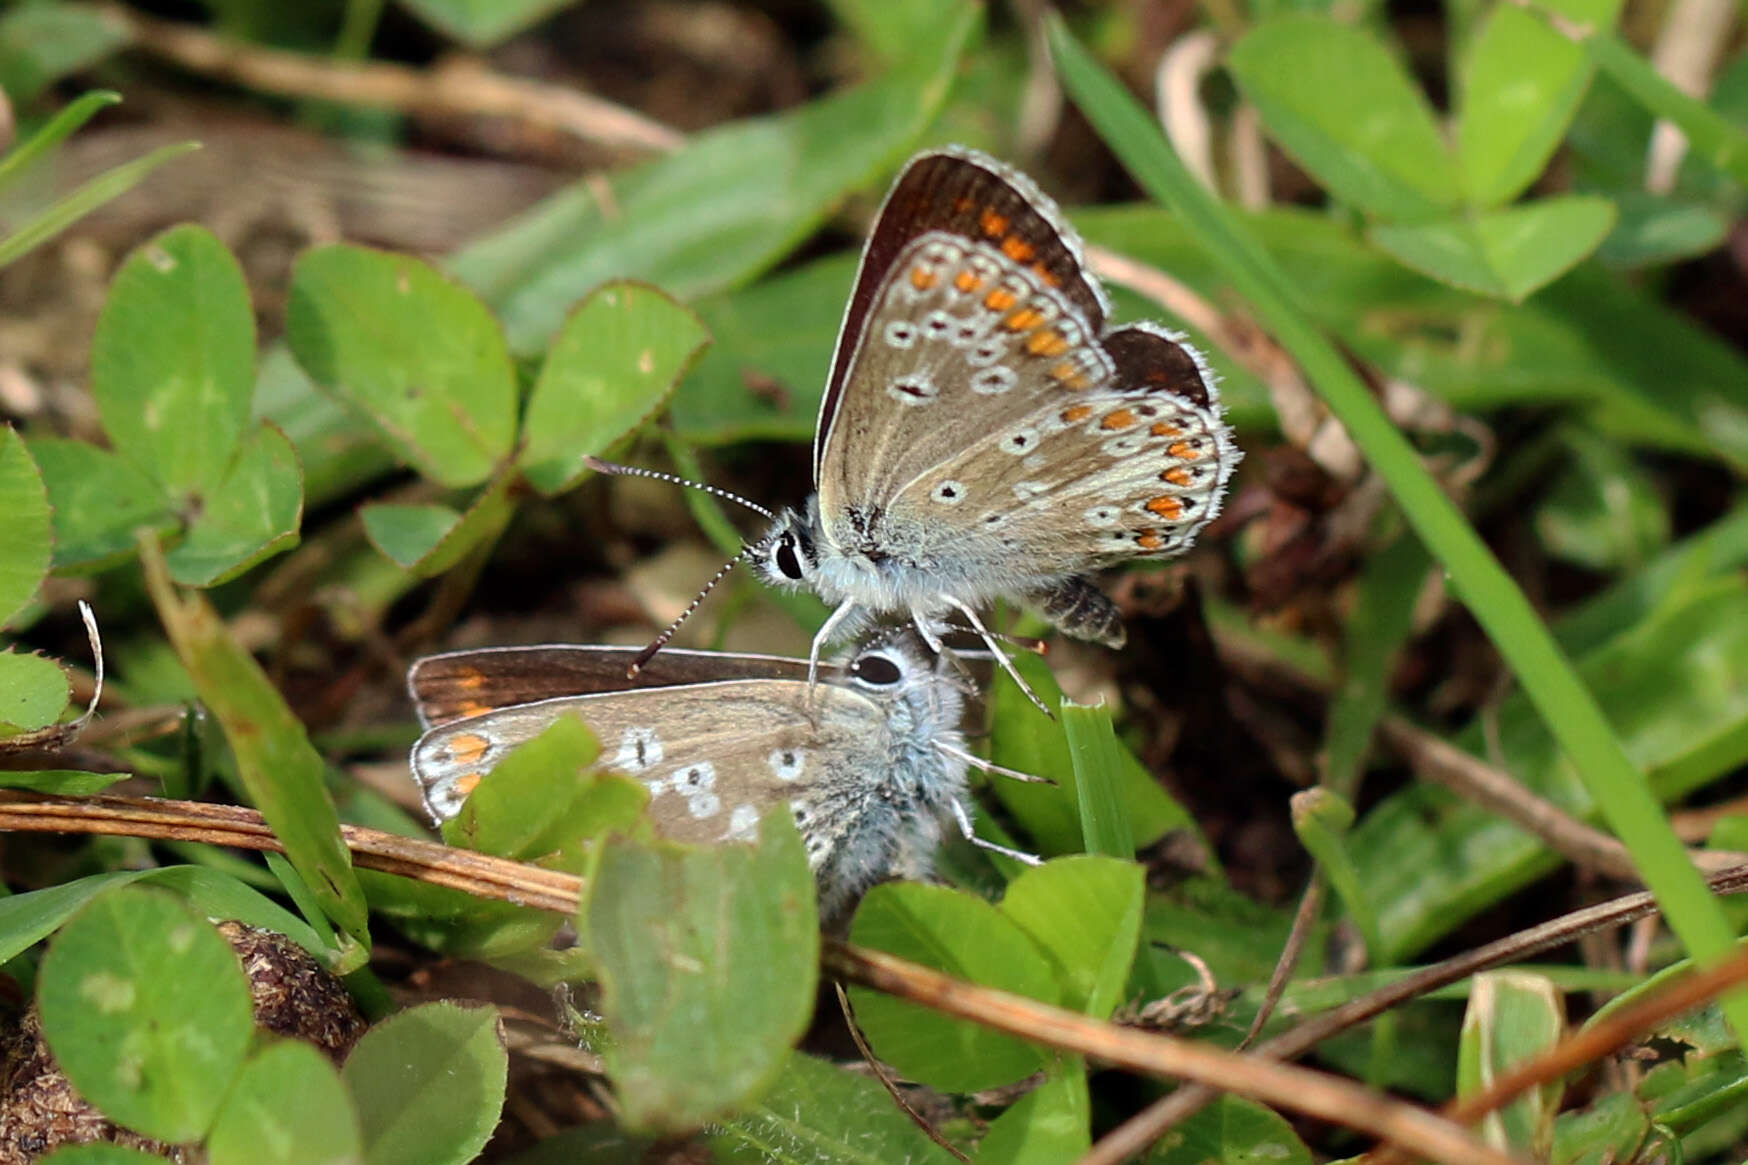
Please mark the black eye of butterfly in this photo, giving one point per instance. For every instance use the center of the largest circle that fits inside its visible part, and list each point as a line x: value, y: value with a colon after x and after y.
x: 876, y: 669
x: 787, y: 562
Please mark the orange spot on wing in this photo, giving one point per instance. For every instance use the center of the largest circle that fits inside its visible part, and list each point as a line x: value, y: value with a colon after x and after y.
x: 994, y: 223
x: 1000, y: 299
x: 1023, y: 320
x: 967, y: 281
x: 964, y: 204
x: 470, y: 680
x: 1048, y: 276
x: 1176, y: 475
x: 1074, y: 413
x: 1161, y: 429
x: 1118, y: 419
x: 1047, y: 343
x: 1183, y: 450
x: 468, y: 782
x: 475, y: 707
x: 921, y: 278
x: 467, y: 748
x: 1018, y: 249
x: 1150, y: 541
x: 1166, y: 507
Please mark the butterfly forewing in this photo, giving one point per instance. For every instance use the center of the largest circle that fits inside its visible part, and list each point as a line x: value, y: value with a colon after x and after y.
x: 962, y: 198
x: 714, y: 756
x: 469, y: 683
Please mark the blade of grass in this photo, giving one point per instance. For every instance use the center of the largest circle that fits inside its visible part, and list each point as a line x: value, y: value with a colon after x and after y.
x: 1569, y: 709
x: 1092, y: 748
x: 84, y: 200
x: 59, y: 128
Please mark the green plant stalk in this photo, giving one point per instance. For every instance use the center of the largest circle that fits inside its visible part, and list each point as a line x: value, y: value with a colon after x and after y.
x: 1093, y: 749
x: 1567, y: 707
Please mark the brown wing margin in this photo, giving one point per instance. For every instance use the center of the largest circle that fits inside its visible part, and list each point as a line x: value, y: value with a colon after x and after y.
x: 967, y: 194
x: 467, y: 683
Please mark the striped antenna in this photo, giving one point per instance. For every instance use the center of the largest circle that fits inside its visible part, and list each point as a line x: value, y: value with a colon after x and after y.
x: 616, y: 470
x: 661, y: 640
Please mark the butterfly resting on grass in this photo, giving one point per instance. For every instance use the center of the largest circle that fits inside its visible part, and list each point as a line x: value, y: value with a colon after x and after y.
x: 872, y: 765
x: 983, y: 433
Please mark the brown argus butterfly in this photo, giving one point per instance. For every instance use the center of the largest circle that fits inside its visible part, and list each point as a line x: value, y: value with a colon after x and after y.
x: 872, y: 765
x: 983, y: 433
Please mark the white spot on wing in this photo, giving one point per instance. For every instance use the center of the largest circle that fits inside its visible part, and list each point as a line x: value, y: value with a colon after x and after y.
x: 788, y: 763
x: 948, y: 493
x: 743, y: 824
x: 639, y: 749
x: 913, y: 389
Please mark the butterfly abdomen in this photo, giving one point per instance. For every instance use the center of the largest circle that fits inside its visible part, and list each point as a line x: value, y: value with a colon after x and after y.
x: 1076, y: 607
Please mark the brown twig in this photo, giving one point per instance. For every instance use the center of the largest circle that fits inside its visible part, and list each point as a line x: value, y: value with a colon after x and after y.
x: 887, y: 1082
x: 1434, y: 759
x: 1602, y: 1038
x: 1304, y: 922
x: 1133, y: 1137
x: 1289, y: 1087
x: 1270, y: 1081
x: 456, y: 88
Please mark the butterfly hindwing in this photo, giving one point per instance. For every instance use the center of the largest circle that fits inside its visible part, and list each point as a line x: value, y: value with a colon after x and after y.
x: 714, y: 756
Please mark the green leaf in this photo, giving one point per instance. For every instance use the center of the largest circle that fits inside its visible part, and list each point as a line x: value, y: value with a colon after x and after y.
x: 611, y: 366
x: 1232, y: 1131
x: 251, y: 515
x: 173, y: 360
x: 1506, y: 253
x: 41, y: 43
x: 483, y: 23
x: 1085, y: 915
x: 963, y: 936
x: 287, y: 1107
x: 428, y: 1084
x: 543, y: 799
x: 99, y: 500
x: 33, y: 692
x: 727, y: 206
x: 27, y: 919
x: 426, y: 540
x: 1049, y: 1124
x: 762, y: 378
x: 1346, y: 110
x: 146, y: 1011
x: 1512, y: 1017
x: 405, y: 534
x: 890, y: 29
x: 413, y: 350
x: 1652, y: 230
x: 281, y: 770
x: 817, y: 1113
x: 1521, y: 85
x: 27, y: 532
x: 707, y: 959
x: 65, y: 782
x: 70, y: 208
x: 1603, y: 511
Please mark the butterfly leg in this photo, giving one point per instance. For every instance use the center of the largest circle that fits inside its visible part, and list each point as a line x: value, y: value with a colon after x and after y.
x: 1001, y: 656
x: 964, y: 820
x: 832, y: 623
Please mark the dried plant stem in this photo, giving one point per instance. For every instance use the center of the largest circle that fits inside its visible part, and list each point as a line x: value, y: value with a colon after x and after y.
x: 1602, y: 1038
x: 1141, y: 1130
x: 459, y: 88
x: 1272, y: 1082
